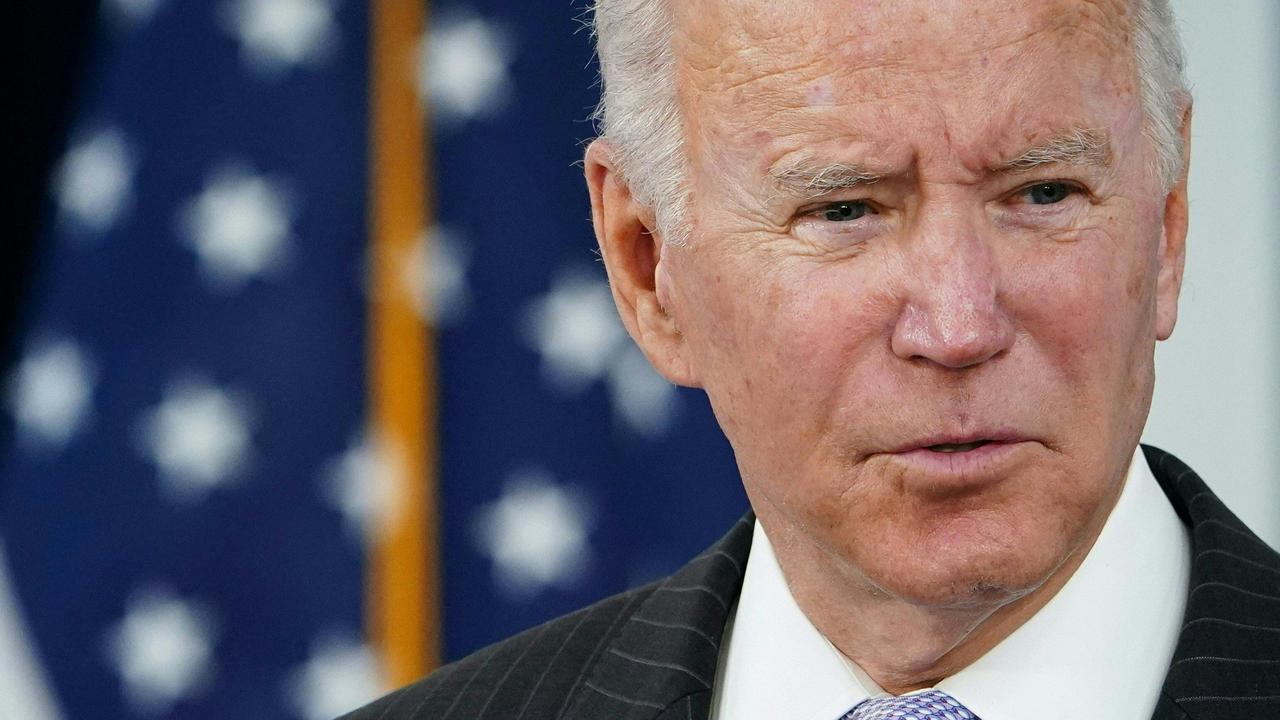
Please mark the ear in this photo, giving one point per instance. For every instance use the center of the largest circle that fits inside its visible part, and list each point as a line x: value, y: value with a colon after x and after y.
x: 634, y: 258
x: 1173, y: 242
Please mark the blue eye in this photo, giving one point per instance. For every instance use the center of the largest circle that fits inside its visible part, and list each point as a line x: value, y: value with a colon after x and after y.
x: 1048, y: 193
x: 845, y: 211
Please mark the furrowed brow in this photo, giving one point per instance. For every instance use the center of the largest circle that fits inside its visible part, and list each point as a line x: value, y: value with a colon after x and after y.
x: 1078, y: 147
x: 808, y: 179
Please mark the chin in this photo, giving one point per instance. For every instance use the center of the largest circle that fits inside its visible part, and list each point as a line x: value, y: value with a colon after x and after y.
x: 960, y: 575
x: 961, y: 590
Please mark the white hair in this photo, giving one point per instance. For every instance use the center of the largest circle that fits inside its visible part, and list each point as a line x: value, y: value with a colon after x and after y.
x: 1162, y: 81
x: 639, y: 109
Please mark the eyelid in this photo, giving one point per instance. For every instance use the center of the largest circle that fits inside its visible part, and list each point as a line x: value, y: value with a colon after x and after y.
x: 824, y: 205
x: 1076, y: 186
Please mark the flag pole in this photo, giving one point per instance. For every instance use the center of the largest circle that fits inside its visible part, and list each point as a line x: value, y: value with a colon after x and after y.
x: 402, y: 598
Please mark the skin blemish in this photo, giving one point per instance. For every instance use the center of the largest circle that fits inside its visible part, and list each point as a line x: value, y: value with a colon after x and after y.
x: 821, y: 92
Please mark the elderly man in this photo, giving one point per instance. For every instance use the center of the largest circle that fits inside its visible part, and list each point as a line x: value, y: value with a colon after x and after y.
x: 918, y: 254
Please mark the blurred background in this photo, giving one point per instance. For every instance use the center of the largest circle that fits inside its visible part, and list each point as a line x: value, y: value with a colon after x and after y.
x: 311, y: 377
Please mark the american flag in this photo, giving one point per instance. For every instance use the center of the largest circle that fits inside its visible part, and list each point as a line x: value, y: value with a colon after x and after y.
x: 197, y: 477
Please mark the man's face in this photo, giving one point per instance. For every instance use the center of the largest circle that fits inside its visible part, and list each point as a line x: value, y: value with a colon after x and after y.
x: 929, y: 262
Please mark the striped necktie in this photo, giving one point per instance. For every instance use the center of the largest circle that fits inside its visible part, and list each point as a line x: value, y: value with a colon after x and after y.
x: 929, y: 705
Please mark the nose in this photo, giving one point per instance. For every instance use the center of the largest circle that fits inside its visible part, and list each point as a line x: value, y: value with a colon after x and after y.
x: 952, y: 314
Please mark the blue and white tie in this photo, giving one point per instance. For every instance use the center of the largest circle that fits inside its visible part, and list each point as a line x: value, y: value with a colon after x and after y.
x: 930, y: 705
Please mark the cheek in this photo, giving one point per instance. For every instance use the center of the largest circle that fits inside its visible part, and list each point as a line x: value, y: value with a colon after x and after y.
x: 1087, y: 308
x: 781, y: 348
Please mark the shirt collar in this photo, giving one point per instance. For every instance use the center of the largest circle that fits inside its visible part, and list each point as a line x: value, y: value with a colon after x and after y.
x: 775, y: 663
x: 1100, y: 648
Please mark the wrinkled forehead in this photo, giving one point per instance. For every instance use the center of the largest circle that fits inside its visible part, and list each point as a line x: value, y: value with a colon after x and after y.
x: 952, y: 85
x: 732, y: 42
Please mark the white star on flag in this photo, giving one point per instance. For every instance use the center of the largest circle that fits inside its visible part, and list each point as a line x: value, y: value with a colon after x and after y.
x: 49, y: 392
x: 575, y: 328
x: 238, y: 226
x: 644, y: 400
x: 94, y: 183
x: 535, y: 534
x: 162, y: 649
x: 435, y: 276
x: 198, y: 438
x: 340, y: 676
x: 462, y: 69
x: 279, y: 34
x: 364, y: 484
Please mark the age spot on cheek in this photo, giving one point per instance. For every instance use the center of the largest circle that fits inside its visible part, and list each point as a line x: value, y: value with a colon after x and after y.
x: 1139, y: 279
x: 821, y: 92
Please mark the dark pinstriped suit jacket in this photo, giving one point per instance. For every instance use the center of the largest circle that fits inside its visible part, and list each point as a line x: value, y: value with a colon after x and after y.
x: 651, y: 653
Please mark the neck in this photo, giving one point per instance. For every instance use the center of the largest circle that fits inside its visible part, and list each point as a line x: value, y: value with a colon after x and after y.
x: 905, y: 646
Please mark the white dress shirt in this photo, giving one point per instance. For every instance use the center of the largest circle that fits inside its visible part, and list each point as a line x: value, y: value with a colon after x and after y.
x: 1099, y: 649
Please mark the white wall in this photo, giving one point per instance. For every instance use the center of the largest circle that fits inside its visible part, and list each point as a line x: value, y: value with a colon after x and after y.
x: 1217, y: 402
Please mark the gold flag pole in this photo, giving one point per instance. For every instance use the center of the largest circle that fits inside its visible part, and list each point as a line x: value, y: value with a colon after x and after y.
x: 402, y: 600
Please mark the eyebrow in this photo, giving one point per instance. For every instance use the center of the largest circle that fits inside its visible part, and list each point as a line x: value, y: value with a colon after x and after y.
x: 1078, y: 147
x: 805, y: 178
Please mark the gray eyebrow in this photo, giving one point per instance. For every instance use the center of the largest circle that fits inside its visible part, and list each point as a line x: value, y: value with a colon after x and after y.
x: 804, y: 178
x: 1078, y: 147
x: 808, y: 179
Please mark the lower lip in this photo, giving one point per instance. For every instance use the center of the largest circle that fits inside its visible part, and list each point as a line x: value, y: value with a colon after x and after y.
x: 983, y: 463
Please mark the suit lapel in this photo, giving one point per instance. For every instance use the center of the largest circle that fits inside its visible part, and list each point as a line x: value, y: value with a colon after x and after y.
x: 662, y: 662
x: 1227, y: 661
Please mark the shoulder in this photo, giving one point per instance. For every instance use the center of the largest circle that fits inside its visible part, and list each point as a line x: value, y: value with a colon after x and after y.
x: 1216, y: 529
x: 653, y: 648
x: 1225, y: 658
x: 531, y: 675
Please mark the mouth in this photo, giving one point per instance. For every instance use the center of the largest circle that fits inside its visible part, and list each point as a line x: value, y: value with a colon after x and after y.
x: 958, y: 444
x: 957, y: 447
x: 951, y: 462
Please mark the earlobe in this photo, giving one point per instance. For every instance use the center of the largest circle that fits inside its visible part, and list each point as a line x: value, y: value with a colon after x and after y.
x: 633, y: 257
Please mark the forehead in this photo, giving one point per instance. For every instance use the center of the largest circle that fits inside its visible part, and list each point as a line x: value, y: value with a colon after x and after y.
x: 791, y: 67
x: 747, y: 39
